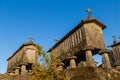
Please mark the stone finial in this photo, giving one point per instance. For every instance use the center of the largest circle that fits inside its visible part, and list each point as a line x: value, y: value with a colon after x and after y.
x: 31, y: 39
x: 56, y: 40
x: 103, y: 51
x: 115, y: 41
x: 89, y: 12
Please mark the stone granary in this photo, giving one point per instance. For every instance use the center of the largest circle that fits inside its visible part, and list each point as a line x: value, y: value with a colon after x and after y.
x: 79, y: 45
x: 23, y: 59
x: 115, y: 53
x: 75, y: 49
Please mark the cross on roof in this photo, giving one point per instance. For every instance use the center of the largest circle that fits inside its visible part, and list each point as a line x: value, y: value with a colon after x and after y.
x: 114, y: 37
x: 115, y: 41
x: 31, y: 38
x: 89, y: 12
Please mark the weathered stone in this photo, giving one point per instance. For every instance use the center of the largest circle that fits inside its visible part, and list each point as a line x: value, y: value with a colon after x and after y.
x: 60, y: 66
x: 72, y: 61
x: 105, y: 58
x: 82, y: 64
x: 23, y: 69
x: 27, y: 53
x: 89, y: 59
x: 17, y: 70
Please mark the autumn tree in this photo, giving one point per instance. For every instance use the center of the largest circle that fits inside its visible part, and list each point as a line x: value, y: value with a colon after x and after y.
x: 47, y: 67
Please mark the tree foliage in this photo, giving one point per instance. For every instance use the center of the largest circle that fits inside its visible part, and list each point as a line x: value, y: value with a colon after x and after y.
x: 47, y: 67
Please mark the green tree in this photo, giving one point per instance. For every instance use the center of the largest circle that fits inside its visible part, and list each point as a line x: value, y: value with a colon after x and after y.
x: 47, y: 67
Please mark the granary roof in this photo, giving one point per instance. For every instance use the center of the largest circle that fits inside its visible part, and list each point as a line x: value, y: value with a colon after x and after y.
x: 24, y: 44
x: 89, y: 19
x: 113, y: 45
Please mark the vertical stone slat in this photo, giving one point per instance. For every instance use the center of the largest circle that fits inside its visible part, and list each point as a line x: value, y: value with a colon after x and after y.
x: 81, y: 36
x: 78, y: 38
x: 72, y: 41
x: 74, y: 37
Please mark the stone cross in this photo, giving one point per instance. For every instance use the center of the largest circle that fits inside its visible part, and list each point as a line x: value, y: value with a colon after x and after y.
x: 114, y: 37
x: 115, y: 41
x: 31, y: 38
x: 89, y: 12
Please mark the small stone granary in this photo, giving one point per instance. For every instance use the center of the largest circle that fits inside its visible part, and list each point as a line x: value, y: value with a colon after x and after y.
x: 115, y: 53
x: 23, y: 59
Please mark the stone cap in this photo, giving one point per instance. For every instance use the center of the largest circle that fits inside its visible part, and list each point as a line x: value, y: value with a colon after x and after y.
x: 23, y: 63
x: 17, y: 67
x: 72, y: 57
x: 11, y: 71
x: 61, y: 64
x: 104, y: 51
x: 88, y: 48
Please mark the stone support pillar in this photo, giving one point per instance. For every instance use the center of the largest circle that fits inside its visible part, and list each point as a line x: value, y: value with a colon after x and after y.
x: 105, y: 58
x: 23, y: 69
x: 82, y: 64
x: 12, y: 72
x: 72, y: 61
x: 17, y: 70
x: 60, y: 66
x: 89, y: 58
x: 117, y: 67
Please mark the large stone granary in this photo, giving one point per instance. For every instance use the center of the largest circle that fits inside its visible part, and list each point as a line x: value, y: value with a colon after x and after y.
x: 79, y: 45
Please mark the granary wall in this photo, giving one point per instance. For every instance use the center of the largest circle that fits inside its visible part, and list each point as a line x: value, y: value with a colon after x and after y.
x: 94, y: 36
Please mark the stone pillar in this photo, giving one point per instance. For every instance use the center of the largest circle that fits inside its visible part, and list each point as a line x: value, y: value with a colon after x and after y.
x: 17, y: 70
x: 23, y: 69
x: 117, y: 67
x: 82, y: 64
x: 33, y: 66
x: 89, y: 59
x: 72, y: 61
x: 60, y: 66
x: 105, y: 58
x: 12, y: 72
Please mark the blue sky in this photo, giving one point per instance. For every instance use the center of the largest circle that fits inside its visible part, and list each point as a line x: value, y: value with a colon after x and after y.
x: 47, y: 20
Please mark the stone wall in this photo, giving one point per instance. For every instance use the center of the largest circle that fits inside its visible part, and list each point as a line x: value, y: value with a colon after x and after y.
x: 82, y: 73
x: 90, y: 73
x: 15, y: 77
